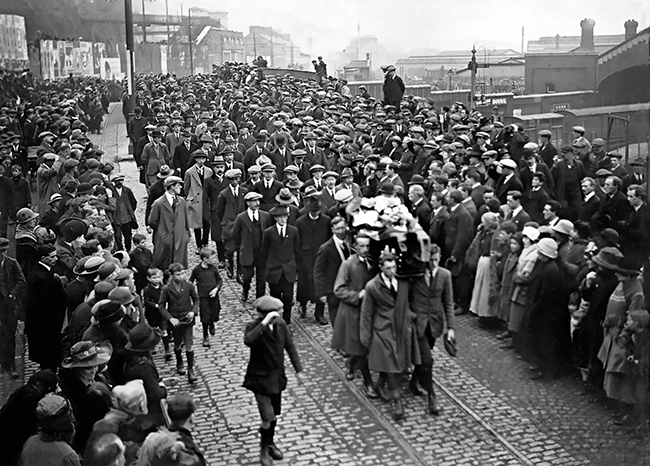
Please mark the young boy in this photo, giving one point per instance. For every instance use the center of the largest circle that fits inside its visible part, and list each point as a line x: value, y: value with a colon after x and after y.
x: 209, y: 282
x: 181, y: 409
x: 179, y: 304
x: 141, y: 260
x: 268, y: 336
x: 151, y: 298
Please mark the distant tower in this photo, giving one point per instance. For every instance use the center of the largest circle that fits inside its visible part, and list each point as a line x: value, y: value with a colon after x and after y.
x: 358, y: 40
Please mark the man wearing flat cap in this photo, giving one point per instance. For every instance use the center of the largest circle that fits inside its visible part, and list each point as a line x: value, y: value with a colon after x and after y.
x: 268, y: 187
x: 124, y: 221
x: 154, y: 155
x: 230, y: 203
x: 393, y: 87
x: 171, y: 231
x: 12, y: 288
x: 268, y: 337
x: 197, y: 212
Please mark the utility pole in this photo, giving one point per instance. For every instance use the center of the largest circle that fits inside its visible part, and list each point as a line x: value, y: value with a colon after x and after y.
x: 472, y: 66
x: 255, y: 45
x: 358, y: 40
x: 167, y: 22
x: 144, y: 24
x: 189, y: 37
x: 271, y: 36
x: 128, y: 20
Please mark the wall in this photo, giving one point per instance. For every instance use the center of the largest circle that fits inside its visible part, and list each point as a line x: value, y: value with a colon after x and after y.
x: 567, y: 72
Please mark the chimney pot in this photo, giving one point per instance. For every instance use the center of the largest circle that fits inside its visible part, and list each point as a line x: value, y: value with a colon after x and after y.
x: 630, y: 28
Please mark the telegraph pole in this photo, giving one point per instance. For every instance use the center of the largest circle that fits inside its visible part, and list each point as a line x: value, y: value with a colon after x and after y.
x: 128, y: 20
x: 189, y: 37
x: 271, y: 36
x: 472, y: 66
x: 144, y: 25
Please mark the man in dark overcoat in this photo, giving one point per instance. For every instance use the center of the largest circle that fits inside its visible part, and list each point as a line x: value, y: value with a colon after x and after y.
x: 313, y: 229
x: 268, y: 336
x: 12, y: 289
x: 393, y: 87
x: 230, y: 203
x: 45, y: 308
x: 212, y: 187
x: 168, y: 219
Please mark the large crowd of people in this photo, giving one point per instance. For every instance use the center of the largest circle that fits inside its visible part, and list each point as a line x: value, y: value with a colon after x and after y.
x: 395, y: 215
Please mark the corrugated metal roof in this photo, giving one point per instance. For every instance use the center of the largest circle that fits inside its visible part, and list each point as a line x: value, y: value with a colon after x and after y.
x: 609, y: 109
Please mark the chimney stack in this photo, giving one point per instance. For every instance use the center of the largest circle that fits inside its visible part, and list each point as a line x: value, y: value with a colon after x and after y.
x: 630, y: 28
x: 557, y: 41
x: 587, y: 40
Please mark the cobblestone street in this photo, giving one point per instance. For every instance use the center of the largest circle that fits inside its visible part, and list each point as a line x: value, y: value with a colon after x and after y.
x: 492, y: 413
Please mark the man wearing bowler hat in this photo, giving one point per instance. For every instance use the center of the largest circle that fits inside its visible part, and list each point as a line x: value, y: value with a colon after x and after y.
x: 281, y: 254
x: 247, y: 233
x: 268, y: 336
x: 171, y: 232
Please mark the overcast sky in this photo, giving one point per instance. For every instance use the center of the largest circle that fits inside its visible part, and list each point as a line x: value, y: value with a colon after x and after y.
x: 402, y: 25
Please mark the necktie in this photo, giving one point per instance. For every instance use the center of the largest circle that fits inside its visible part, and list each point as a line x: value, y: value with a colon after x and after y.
x: 255, y: 217
x: 346, y: 251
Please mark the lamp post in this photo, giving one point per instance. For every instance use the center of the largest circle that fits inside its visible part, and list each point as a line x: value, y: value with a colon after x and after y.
x: 128, y: 19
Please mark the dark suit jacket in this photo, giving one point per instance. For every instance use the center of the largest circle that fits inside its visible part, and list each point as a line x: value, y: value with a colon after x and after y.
x: 459, y: 233
x: 612, y: 210
x: 433, y: 303
x: 477, y: 195
x: 243, y: 235
x: 268, y: 195
x: 437, y: 227
x: 502, y: 187
x: 181, y: 159
x: 526, y: 177
x: 546, y: 153
x: 228, y: 208
x: 328, y: 261
x: 534, y: 202
x: 634, y: 233
x: 251, y: 156
x: 520, y: 219
x: 212, y: 187
x: 422, y: 212
x: 281, y: 255
x: 589, y: 209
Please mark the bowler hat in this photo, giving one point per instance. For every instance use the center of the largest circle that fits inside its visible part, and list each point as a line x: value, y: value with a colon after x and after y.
x: 122, y: 295
x: 142, y: 338
x: 387, y: 188
x: 107, y: 310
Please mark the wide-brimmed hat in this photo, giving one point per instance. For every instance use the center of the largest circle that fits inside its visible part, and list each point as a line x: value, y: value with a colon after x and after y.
x: 627, y: 265
x: 88, y: 354
x: 164, y: 172
x: 107, y: 310
x: 607, y: 257
x: 547, y: 247
x: 343, y: 195
x: 142, y: 338
x: 294, y: 184
x: 284, y: 197
x: 563, y: 226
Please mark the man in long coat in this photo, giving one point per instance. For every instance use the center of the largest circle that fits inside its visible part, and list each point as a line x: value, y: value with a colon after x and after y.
x: 195, y: 177
x: 45, y: 311
x: 386, y: 329
x: 124, y: 219
x: 314, y: 229
x: 230, y: 203
x: 393, y: 87
x: 328, y: 260
x: 12, y: 289
x: 168, y: 219
x: 211, y: 190
x: 154, y: 155
x: 349, y: 286
x: 46, y: 181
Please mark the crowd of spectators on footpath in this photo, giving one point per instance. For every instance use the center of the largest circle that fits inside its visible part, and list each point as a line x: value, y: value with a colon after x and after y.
x: 285, y: 182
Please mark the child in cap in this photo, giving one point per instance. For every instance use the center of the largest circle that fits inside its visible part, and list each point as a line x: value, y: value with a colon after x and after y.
x: 141, y: 261
x: 151, y: 298
x: 208, y: 282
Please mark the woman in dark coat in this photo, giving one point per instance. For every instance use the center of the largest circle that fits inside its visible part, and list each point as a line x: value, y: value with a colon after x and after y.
x: 142, y: 340
x: 545, y: 325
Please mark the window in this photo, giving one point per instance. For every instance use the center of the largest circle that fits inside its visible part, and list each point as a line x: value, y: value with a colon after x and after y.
x: 550, y: 88
x: 226, y: 55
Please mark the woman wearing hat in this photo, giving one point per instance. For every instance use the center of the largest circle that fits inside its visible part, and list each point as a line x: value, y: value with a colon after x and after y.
x: 78, y: 373
x: 480, y: 258
x: 620, y: 381
x: 143, y: 339
x: 544, y: 335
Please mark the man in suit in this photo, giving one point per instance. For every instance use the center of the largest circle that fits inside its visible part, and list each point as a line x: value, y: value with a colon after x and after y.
x: 139, y: 148
x: 468, y: 202
x: 247, y: 232
x: 198, y: 213
x: 281, y: 156
x: 419, y: 206
x: 459, y: 233
x: 590, y: 201
x: 327, y: 194
x: 614, y: 207
x: 567, y: 174
x: 535, y: 198
x: 516, y: 212
x: 211, y: 189
x: 508, y: 181
x: 255, y: 152
x: 154, y: 156
x: 174, y: 138
x: 347, y: 182
x: 269, y: 187
x: 638, y: 175
x: 635, y: 228
x: 313, y: 229
x: 135, y: 129
x: 437, y: 219
x: 230, y: 162
x: 546, y: 148
x: 313, y: 155
x: 45, y: 309
x: 533, y: 166
x: 182, y: 153
x: 230, y: 203
x: 328, y: 260
x: 432, y: 302
x: 254, y: 177
x: 124, y: 216
x: 316, y: 180
x: 281, y: 255
x: 473, y: 179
